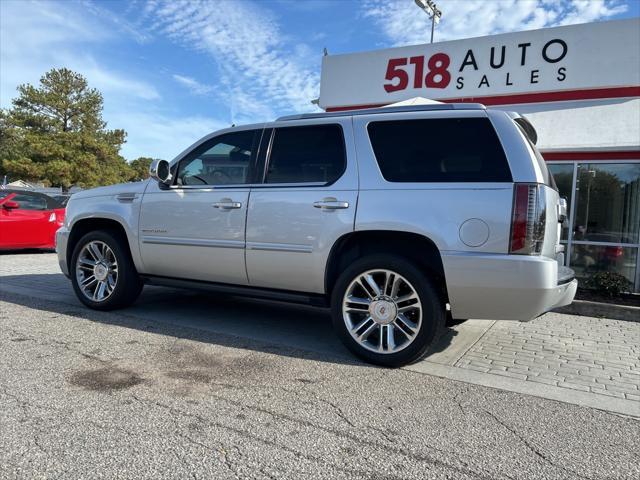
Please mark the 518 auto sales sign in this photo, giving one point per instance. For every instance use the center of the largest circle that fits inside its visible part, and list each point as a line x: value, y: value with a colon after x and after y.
x: 601, y: 55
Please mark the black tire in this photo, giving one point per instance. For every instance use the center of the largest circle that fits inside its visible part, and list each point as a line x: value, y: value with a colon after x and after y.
x: 128, y: 285
x: 433, y: 310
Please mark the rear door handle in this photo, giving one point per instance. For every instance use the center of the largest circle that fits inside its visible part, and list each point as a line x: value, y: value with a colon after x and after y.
x: 227, y: 204
x: 331, y: 204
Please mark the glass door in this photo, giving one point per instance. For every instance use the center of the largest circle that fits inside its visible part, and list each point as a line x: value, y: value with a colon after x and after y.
x: 603, y: 229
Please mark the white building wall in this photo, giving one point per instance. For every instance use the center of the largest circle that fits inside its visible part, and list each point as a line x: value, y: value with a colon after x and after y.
x: 611, y: 124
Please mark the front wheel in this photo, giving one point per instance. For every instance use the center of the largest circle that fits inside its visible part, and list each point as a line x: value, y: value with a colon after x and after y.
x: 102, y: 272
x: 386, y: 311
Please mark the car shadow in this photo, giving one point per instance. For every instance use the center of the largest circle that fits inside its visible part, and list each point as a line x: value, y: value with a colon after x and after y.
x: 265, y: 326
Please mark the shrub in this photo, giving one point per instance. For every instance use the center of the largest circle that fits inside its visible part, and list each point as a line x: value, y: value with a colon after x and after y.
x: 609, y: 283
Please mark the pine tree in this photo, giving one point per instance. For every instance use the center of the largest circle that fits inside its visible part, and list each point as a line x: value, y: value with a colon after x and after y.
x: 55, y: 133
x: 140, y: 168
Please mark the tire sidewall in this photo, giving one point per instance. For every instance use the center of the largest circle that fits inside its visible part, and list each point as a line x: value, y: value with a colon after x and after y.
x: 126, y: 272
x: 433, y: 311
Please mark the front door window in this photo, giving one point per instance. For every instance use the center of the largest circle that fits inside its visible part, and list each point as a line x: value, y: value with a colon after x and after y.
x: 224, y: 160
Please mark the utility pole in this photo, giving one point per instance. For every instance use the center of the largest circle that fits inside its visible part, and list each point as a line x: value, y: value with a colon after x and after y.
x: 430, y: 8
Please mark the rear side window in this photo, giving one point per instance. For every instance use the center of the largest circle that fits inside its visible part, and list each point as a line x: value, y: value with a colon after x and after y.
x: 307, y: 154
x: 439, y: 150
x: 30, y: 202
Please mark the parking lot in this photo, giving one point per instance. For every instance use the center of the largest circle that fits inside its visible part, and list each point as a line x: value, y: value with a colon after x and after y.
x: 185, y: 384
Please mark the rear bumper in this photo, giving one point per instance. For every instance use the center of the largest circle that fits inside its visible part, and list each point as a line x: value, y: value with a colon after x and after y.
x: 506, y: 287
x: 62, y: 238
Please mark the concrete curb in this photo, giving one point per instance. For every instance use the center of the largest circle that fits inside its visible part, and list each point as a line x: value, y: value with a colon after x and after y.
x: 598, y: 309
x: 583, y: 399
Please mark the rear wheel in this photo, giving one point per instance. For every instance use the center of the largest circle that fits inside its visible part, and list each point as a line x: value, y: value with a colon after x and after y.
x: 386, y: 311
x: 102, y: 272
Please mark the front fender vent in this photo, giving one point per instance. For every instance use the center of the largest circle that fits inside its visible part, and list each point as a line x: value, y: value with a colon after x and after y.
x: 126, y: 197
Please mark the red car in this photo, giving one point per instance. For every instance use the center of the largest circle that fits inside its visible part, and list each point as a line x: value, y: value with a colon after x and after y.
x: 28, y: 220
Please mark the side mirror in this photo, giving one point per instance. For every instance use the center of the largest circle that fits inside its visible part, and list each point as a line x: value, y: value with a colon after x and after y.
x: 160, y: 171
x: 10, y: 205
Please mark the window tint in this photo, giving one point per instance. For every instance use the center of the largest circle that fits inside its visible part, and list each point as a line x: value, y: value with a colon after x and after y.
x: 223, y: 160
x: 306, y: 154
x: 30, y: 202
x: 439, y: 150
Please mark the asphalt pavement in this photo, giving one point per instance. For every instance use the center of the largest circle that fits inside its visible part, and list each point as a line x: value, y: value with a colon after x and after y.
x: 168, y: 389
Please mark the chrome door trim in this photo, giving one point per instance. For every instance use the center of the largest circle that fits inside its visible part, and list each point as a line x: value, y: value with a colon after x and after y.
x: 280, y: 247
x: 211, y: 188
x: 191, y: 242
x: 242, y: 186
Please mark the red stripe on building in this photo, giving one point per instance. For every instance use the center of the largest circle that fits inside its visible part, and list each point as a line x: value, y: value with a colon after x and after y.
x: 538, y: 97
x: 609, y: 155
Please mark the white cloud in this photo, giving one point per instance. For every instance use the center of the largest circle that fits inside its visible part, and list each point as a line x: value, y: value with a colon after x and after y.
x: 120, y: 22
x: 157, y: 135
x: 582, y: 11
x: 255, y: 64
x: 37, y: 36
x: 193, y: 85
x: 403, y: 23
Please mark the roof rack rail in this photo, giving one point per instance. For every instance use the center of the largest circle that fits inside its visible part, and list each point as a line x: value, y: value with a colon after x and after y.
x: 373, y: 111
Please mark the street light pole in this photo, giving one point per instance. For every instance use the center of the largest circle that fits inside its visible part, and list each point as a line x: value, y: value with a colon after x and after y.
x: 433, y: 26
x: 430, y: 8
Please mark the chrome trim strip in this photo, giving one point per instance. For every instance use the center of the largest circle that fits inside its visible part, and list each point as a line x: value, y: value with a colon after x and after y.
x: 212, y: 188
x: 301, y: 184
x: 244, y: 186
x: 192, y: 242
x: 280, y: 247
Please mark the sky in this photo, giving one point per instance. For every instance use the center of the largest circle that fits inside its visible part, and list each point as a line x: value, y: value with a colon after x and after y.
x: 173, y: 71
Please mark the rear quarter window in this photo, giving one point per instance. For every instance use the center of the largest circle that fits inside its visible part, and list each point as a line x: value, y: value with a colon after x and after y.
x: 439, y: 150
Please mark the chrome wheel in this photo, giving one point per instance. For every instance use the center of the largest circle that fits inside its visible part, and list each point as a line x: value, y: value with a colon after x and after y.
x: 97, y: 271
x: 382, y: 311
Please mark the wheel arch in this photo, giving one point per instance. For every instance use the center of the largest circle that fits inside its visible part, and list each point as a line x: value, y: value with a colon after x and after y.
x: 85, y: 225
x: 417, y: 248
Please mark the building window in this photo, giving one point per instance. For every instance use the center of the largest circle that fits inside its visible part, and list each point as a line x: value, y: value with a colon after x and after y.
x: 563, y: 175
x: 608, y: 206
x: 604, y: 217
x: 588, y: 259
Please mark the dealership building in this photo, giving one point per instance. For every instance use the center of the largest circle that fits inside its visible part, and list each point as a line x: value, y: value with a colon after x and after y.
x: 579, y: 86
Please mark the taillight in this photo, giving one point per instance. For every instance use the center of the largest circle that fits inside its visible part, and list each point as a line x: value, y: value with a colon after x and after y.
x: 528, y: 220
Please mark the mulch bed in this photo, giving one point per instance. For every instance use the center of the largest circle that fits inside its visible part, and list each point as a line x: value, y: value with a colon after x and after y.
x: 632, y: 300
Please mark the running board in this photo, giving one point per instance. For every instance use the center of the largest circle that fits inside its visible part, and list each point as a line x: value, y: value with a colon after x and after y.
x: 315, y: 300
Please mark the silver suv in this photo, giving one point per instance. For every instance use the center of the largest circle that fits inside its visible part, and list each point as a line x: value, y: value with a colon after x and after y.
x: 395, y: 218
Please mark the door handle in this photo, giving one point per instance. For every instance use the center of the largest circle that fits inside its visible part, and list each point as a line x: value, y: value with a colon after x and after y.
x: 227, y: 204
x: 330, y: 204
